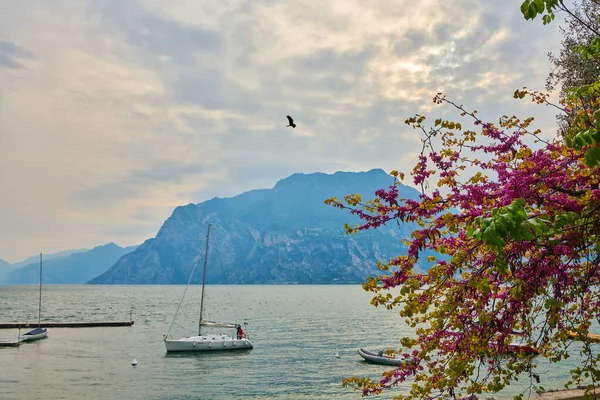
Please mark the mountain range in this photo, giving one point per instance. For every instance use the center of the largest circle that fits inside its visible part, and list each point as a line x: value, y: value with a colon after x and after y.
x: 286, y: 234
x: 281, y: 235
x: 66, y: 267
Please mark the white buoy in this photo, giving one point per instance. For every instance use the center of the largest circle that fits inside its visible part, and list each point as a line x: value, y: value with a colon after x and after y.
x: 134, y: 362
x: 337, y: 355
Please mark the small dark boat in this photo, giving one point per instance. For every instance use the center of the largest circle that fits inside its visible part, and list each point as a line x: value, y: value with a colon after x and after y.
x: 380, y: 358
x: 518, y: 348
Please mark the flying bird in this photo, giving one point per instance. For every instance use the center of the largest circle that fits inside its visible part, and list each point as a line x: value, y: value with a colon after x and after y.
x: 291, y: 121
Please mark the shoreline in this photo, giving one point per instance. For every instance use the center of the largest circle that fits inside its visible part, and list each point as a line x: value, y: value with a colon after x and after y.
x: 568, y: 394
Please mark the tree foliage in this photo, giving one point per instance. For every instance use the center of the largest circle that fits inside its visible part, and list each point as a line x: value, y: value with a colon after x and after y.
x: 519, y: 227
x: 571, y: 68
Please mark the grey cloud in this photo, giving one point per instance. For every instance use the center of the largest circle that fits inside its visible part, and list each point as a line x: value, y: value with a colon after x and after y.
x: 11, y: 54
x: 212, y: 89
x: 168, y: 173
x: 108, y: 193
x: 444, y: 33
x: 456, y: 68
x: 491, y: 22
x: 9, y: 62
x: 335, y: 61
x: 323, y: 72
x: 204, y: 87
x: 410, y: 42
x: 329, y: 82
x: 128, y: 231
x: 133, y: 185
x: 154, y: 36
x: 335, y: 83
x: 467, y: 63
x: 328, y: 71
x: 13, y: 49
x: 169, y: 38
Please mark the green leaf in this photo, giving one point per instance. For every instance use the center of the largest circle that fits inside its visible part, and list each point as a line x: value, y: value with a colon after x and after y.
x: 532, y: 10
x: 516, y: 292
x: 525, y: 9
x: 552, y: 303
x: 540, y: 5
x: 489, y: 234
x: 484, y: 286
x: 592, y: 156
x: 515, y: 232
x: 539, y: 227
x: 569, y: 141
x: 526, y: 232
x: 595, y: 134
x: 578, y: 142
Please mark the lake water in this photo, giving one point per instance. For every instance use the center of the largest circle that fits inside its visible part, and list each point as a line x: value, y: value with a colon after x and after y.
x: 296, y: 332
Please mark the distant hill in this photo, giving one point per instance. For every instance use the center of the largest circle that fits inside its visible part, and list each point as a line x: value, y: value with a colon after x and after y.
x: 78, y: 267
x: 5, y: 268
x: 49, y: 256
x: 284, y: 234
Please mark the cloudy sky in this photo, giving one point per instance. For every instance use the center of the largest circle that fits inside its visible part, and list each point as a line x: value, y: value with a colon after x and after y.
x: 113, y: 112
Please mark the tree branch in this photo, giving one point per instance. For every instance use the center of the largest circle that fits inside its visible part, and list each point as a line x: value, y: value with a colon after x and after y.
x: 577, y: 18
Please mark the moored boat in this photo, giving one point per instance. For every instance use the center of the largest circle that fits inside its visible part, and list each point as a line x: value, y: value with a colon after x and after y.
x: 204, y: 341
x: 383, y: 359
x: 39, y: 332
x: 35, y: 334
x: 210, y: 342
x: 522, y: 348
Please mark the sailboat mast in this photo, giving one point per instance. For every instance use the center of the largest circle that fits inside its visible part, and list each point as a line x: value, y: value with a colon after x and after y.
x: 203, y: 282
x: 40, y: 302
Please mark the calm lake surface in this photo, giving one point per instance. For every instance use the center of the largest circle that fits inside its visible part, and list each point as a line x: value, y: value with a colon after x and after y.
x: 296, y: 332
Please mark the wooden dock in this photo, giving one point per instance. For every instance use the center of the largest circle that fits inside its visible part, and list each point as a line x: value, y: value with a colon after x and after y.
x: 75, y: 324
x: 10, y: 343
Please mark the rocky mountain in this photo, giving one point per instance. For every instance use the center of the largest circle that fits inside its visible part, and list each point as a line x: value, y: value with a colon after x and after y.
x: 281, y: 235
x: 76, y: 267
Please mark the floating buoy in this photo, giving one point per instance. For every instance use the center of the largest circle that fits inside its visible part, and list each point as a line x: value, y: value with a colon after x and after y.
x: 134, y: 362
x: 337, y: 355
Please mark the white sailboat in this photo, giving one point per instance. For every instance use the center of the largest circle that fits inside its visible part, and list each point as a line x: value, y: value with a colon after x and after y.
x: 207, y: 341
x: 39, y: 332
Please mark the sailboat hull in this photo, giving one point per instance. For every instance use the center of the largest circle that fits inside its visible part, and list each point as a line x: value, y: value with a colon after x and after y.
x: 36, y: 334
x: 207, y: 343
